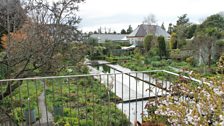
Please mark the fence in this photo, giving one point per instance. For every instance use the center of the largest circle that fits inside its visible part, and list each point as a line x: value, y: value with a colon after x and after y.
x: 115, y: 99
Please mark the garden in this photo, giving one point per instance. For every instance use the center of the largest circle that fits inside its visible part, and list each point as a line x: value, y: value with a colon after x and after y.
x: 199, y: 56
x: 82, y: 101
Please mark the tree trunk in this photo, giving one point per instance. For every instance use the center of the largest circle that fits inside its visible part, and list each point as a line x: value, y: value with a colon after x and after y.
x: 209, y: 60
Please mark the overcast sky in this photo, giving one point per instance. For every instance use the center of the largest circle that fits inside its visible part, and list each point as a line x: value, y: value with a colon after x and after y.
x: 118, y: 14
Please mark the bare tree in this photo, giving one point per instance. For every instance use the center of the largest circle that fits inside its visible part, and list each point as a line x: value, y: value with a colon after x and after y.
x: 150, y: 19
x: 204, y: 47
x: 43, y: 43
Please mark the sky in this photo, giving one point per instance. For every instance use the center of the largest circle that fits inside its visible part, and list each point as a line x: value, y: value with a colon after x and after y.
x: 119, y: 14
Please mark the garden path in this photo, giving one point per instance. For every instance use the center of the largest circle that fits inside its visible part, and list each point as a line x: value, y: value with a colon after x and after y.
x: 46, y: 116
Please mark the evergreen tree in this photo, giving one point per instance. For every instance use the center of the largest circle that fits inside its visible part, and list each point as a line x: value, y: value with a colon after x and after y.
x: 129, y: 30
x: 148, y: 42
x: 162, y: 46
x: 173, y: 41
x: 182, y: 20
x: 163, y: 27
x: 180, y: 29
x: 123, y: 31
x: 190, y: 31
x: 170, y: 28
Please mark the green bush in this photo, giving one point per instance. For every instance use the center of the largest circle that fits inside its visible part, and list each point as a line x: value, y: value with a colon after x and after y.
x: 157, y: 64
x: 155, y: 58
x: 148, y: 42
x: 18, y: 114
x: 220, y: 43
x: 191, y: 61
x: 66, y: 121
x: 86, y: 123
x: 149, y: 59
x: 3, y: 70
x: 154, y: 52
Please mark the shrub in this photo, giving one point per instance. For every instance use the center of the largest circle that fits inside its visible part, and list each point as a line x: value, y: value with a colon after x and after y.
x: 173, y: 41
x: 154, y: 52
x: 148, y: 42
x: 203, y: 104
x: 220, y: 64
x: 149, y: 59
x: 162, y: 47
x: 155, y: 58
x: 157, y: 64
x: 220, y: 43
x: 190, y: 60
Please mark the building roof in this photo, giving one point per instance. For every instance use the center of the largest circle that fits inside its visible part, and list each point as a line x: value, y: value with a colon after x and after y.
x: 112, y: 37
x: 143, y: 29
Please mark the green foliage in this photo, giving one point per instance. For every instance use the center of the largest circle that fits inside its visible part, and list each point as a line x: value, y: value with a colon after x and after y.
x: 18, y: 115
x: 207, y: 34
x: 97, y: 53
x: 213, y: 21
x: 92, y: 41
x: 183, y: 30
x: 220, y: 64
x: 180, y: 54
x: 148, y: 42
x: 170, y: 28
x: 66, y: 121
x: 173, y: 41
x: 149, y: 59
x: 87, y: 101
x: 138, y: 55
x: 163, y: 27
x: 212, y: 26
x: 3, y: 69
x: 190, y: 60
x: 123, y: 31
x: 20, y: 100
x: 153, y: 52
x: 162, y: 47
x: 220, y: 42
x: 154, y: 118
x: 190, y: 31
x: 158, y: 64
x: 182, y: 20
x: 111, y: 45
x: 129, y: 30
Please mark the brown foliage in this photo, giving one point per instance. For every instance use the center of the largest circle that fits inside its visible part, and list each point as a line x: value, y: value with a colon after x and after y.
x: 18, y: 36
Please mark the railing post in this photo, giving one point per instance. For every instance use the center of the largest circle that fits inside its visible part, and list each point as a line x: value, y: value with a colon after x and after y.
x: 129, y: 104
x: 45, y: 97
x: 28, y: 100
x: 143, y: 77
x: 77, y: 93
x: 115, y: 88
x: 38, y: 109
x: 136, y: 96
x: 122, y: 94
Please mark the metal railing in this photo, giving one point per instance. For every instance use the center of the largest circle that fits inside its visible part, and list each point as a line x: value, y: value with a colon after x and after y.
x: 113, y: 99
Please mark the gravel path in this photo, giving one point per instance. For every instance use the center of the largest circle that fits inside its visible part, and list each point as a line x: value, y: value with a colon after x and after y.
x: 46, y: 117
